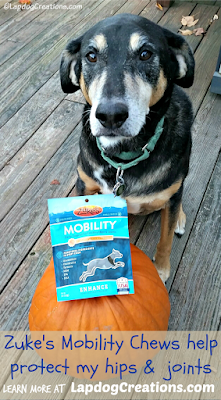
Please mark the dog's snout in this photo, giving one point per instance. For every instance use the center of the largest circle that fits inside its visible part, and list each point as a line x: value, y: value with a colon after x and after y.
x: 112, y: 115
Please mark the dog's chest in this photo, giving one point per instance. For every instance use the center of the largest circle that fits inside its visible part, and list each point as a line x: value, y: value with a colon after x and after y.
x: 147, y: 203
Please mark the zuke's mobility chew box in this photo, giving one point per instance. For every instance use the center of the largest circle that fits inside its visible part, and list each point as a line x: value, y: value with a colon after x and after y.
x: 91, y: 249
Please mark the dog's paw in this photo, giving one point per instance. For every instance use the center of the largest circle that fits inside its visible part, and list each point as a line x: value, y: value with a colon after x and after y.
x: 181, y: 223
x: 163, y: 271
x: 163, y: 274
x: 180, y: 229
x: 179, y: 232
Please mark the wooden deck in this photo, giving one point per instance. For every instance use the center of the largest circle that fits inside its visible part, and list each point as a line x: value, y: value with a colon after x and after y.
x: 40, y: 128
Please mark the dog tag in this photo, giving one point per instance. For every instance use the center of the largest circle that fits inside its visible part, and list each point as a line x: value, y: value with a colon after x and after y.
x: 119, y: 185
x: 118, y: 189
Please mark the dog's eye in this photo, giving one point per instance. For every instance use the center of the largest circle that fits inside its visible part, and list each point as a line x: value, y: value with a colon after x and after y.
x: 92, y: 57
x: 145, y: 55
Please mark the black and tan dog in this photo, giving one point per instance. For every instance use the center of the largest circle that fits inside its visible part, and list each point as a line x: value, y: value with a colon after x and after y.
x: 137, y: 121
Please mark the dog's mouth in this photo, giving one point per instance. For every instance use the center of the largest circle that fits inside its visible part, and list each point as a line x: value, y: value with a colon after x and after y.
x: 109, y: 133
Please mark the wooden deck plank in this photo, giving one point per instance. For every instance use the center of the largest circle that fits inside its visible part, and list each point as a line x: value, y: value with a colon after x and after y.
x: 206, y: 145
x: 28, y: 83
x: 24, y: 223
x: 28, y: 33
x: 172, y: 18
x: 134, y: 7
x: 196, y: 292
x: 11, y: 46
x: 7, y: 14
x: 8, y: 358
x: 34, y: 155
x: 21, y: 20
x: 206, y: 59
x: 207, y: 2
x: 12, y: 70
x: 152, y: 12
x: 2, y: 3
x: 27, y: 120
x: 30, y: 358
x: 77, y: 96
x: 5, y: 25
x: 204, y: 13
x: 216, y: 375
x: 14, y: 309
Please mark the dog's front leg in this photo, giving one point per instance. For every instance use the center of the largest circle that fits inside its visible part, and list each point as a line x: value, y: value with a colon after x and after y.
x: 86, y: 185
x: 169, y: 217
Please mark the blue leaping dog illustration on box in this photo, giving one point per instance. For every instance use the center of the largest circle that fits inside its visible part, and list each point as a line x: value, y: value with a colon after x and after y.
x: 102, y: 263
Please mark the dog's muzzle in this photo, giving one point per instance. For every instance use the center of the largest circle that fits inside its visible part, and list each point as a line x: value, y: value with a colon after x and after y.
x: 112, y: 115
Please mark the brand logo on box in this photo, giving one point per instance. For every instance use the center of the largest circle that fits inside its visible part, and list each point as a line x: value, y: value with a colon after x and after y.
x: 88, y: 211
x: 122, y: 285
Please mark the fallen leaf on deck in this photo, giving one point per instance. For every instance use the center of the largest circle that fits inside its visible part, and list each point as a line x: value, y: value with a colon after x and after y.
x: 199, y: 31
x: 55, y: 182
x: 192, y: 23
x: 25, y: 2
x: 186, y: 32
x: 158, y: 5
x: 189, y: 21
x: 214, y: 18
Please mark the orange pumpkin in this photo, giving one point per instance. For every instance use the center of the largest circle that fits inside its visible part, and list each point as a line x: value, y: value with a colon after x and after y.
x: 147, y: 310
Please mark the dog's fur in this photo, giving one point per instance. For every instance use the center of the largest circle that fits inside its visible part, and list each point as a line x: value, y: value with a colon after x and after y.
x: 128, y: 69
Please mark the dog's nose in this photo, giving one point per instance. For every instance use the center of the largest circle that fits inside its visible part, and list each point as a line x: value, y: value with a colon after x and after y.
x: 112, y: 115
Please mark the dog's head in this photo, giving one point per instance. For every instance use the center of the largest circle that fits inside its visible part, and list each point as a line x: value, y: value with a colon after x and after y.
x: 116, y: 253
x: 124, y: 65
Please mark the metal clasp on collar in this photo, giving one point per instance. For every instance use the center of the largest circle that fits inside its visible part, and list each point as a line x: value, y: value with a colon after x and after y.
x: 119, y: 185
x: 144, y: 148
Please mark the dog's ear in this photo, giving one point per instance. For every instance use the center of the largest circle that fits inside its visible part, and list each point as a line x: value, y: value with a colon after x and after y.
x: 184, y: 57
x: 70, y: 67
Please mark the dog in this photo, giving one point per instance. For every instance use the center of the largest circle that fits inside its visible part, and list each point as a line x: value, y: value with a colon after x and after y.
x: 136, y: 135
x: 102, y: 263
